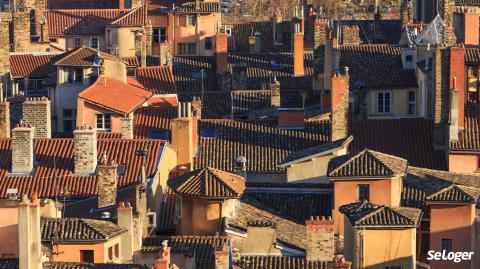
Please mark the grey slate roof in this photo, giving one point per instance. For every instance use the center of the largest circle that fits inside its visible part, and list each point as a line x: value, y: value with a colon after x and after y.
x: 279, y: 262
x: 455, y: 193
x: 76, y: 229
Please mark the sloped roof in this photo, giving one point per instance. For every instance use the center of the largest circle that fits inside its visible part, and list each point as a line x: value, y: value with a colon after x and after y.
x: 83, y: 56
x: 276, y: 262
x: 379, y: 216
x: 204, y: 7
x: 77, y: 265
x: 243, y: 30
x: 472, y: 55
x: 157, y: 79
x: 455, y: 193
x: 134, y: 17
x: 82, y: 4
x: 469, y: 138
x: 147, y: 119
x: 32, y: 65
x: 208, y: 183
x: 367, y: 163
x: 356, y: 207
x: 75, y: 230
x: 116, y: 95
x: 50, y: 180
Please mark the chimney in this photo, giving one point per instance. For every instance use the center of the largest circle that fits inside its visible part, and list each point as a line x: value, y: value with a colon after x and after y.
x: 163, y: 262
x: 221, y: 47
x: 222, y: 257
x: 258, y: 42
x: 21, y: 31
x: 339, y: 263
x: 298, y: 54
x: 127, y: 126
x: 125, y: 220
x: 330, y: 59
x: 107, y: 182
x: 30, y: 254
x: 22, y: 149
x: 4, y: 117
x: 339, y: 100
x: 453, y: 134
x: 251, y: 44
x: 441, y: 95
x: 121, y: 5
x: 275, y: 100
x: 261, y: 237
x: 320, y: 239
x: 350, y: 35
x: 182, y: 135
x: 36, y: 112
x: 291, y: 118
x: 319, y: 33
x: 406, y: 13
x: 447, y: 8
x: 85, y: 145
x: 457, y: 73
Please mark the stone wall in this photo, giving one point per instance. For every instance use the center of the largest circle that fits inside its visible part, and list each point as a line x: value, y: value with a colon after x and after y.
x: 85, y: 144
x: 320, y: 239
x: 275, y: 99
x: 21, y: 31
x: 4, y: 49
x: 350, y: 35
x: 22, y: 149
x: 36, y: 112
x: 4, y: 119
x: 127, y: 127
x: 107, y: 184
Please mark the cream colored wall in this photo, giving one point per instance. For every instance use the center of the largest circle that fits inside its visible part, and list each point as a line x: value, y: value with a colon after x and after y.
x: 85, y: 40
x: 399, y: 103
x: 111, y: 243
x: 115, y: 70
x: 71, y: 252
x: 122, y: 38
x: 206, y: 27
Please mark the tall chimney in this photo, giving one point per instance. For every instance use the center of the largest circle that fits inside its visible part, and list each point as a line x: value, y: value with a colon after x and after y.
x: 320, y: 239
x: 330, y: 47
x: 182, y: 135
x: 30, y: 255
x: 4, y: 118
x: 22, y: 149
x: 221, y: 53
x: 36, y: 112
x: 457, y: 73
x: 275, y: 100
x: 107, y: 182
x: 163, y: 262
x: 339, y: 100
x: 453, y: 134
x: 127, y: 126
x: 125, y: 220
x: 85, y: 145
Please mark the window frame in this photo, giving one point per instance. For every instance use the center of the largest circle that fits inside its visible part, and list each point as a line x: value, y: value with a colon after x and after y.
x: 209, y: 43
x: 83, y: 255
x: 359, y: 192
x: 97, y: 41
x: 191, y: 20
x: 412, y: 103
x: 377, y: 99
x: 445, y: 241
x: 75, y: 40
x: 103, y: 122
x: 159, y: 35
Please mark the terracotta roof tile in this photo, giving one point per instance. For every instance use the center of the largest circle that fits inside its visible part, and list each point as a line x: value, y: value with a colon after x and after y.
x: 279, y: 262
x: 472, y: 56
x: 74, y: 265
x: 116, y: 95
x: 375, y: 66
x: 469, y: 138
x: 147, y: 119
x: 134, y: 17
x: 54, y: 172
x: 202, y: 247
x: 74, y: 229
x: 367, y: 163
x: 262, y: 143
x: 158, y: 79
x: 242, y: 31
x: 208, y: 183
x: 204, y: 7
x: 386, y: 31
x: 32, y: 65
x: 9, y: 263
x: 166, y: 223
x: 80, y: 21
x: 83, y: 56
x: 82, y: 4
x: 131, y: 61
x: 467, y: 2
x: 184, y: 68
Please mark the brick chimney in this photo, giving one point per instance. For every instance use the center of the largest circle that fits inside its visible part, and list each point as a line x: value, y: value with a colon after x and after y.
x: 107, y: 182
x: 447, y: 7
x: 36, y: 111
x: 320, y: 239
x: 22, y: 149
x: 319, y: 33
x: 339, y: 100
x: 453, y: 132
x: 222, y: 260
x: 350, y: 35
x: 291, y: 118
x: 85, y: 144
x: 406, y: 13
x: 457, y: 73
x: 330, y: 59
x: 441, y: 96
x: 125, y: 220
x: 182, y: 135
x: 30, y: 253
x: 275, y: 100
x: 163, y: 262
x: 127, y: 126
x: 21, y: 31
x: 221, y: 53
x: 4, y: 117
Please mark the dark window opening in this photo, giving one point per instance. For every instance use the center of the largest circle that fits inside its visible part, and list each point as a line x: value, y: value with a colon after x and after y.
x: 363, y: 192
x: 447, y: 245
x: 87, y: 256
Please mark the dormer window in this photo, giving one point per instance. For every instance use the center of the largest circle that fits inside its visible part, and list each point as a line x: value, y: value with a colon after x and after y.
x: 73, y: 75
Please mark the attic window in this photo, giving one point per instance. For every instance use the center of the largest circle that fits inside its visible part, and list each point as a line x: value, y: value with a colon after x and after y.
x: 121, y: 170
x: 159, y: 134
x: 209, y: 133
x: 276, y: 65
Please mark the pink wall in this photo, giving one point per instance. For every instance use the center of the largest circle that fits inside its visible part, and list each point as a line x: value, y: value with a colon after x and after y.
x: 462, y: 163
x: 86, y: 114
x: 9, y: 232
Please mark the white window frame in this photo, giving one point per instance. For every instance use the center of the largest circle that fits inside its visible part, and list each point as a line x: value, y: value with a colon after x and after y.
x: 414, y: 103
x: 189, y: 21
x: 377, y: 108
x: 97, y: 41
x: 75, y: 39
x: 103, y: 122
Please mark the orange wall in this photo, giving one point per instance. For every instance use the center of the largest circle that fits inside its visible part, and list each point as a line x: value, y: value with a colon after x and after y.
x: 86, y: 115
x: 458, y: 228
x: 471, y: 28
x: 194, y: 218
x: 9, y: 232
x: 462, y: 163
x: 382, y: 191
x: 71, y: 252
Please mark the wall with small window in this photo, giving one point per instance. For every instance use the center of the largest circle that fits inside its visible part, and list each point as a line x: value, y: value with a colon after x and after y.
x: 73, y: 42
x: 102, y: 119
x: 96, y: 252
x: 393, y: 103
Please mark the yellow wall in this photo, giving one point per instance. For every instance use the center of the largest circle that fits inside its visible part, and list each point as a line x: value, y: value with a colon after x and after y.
x: 380, y: 248
x: 399, y: 103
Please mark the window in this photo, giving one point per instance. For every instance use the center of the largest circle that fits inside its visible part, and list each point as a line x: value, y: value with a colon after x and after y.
x: 363, y: 192
x: 73, y: 75
x: 191, y: 20
x: 87, y: 256
x: 208, y: 43
x: 94, y: 42
x: 35, y: 86
x: 69, y: 120
x: 279, y: 38
x: 411, y: 103
x: 104, y: 122
x: 117, y: 250
x: 384, y: 102
x: 110, y: 253
x: 447, y: 245
x: 77, y: 42
x: 159, y: 35
x: 213, y: 211
x: 187, y: 48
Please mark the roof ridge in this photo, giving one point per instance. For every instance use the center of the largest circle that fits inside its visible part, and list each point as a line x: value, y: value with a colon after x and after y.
x: 129, y: 13
x: 381, y: 154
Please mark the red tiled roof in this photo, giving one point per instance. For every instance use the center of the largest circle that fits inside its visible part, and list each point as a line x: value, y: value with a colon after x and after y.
x: 80, y: 21
x: 116, y: 95
x: 163, y: 101
x: 135, y: 17
x: 31, y: 65
x: 81, y: 4
x: 54, y: 171
x: 147, y: 119
x: 131, y: 61
x: 83, y: 56
x: 158, y: 79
